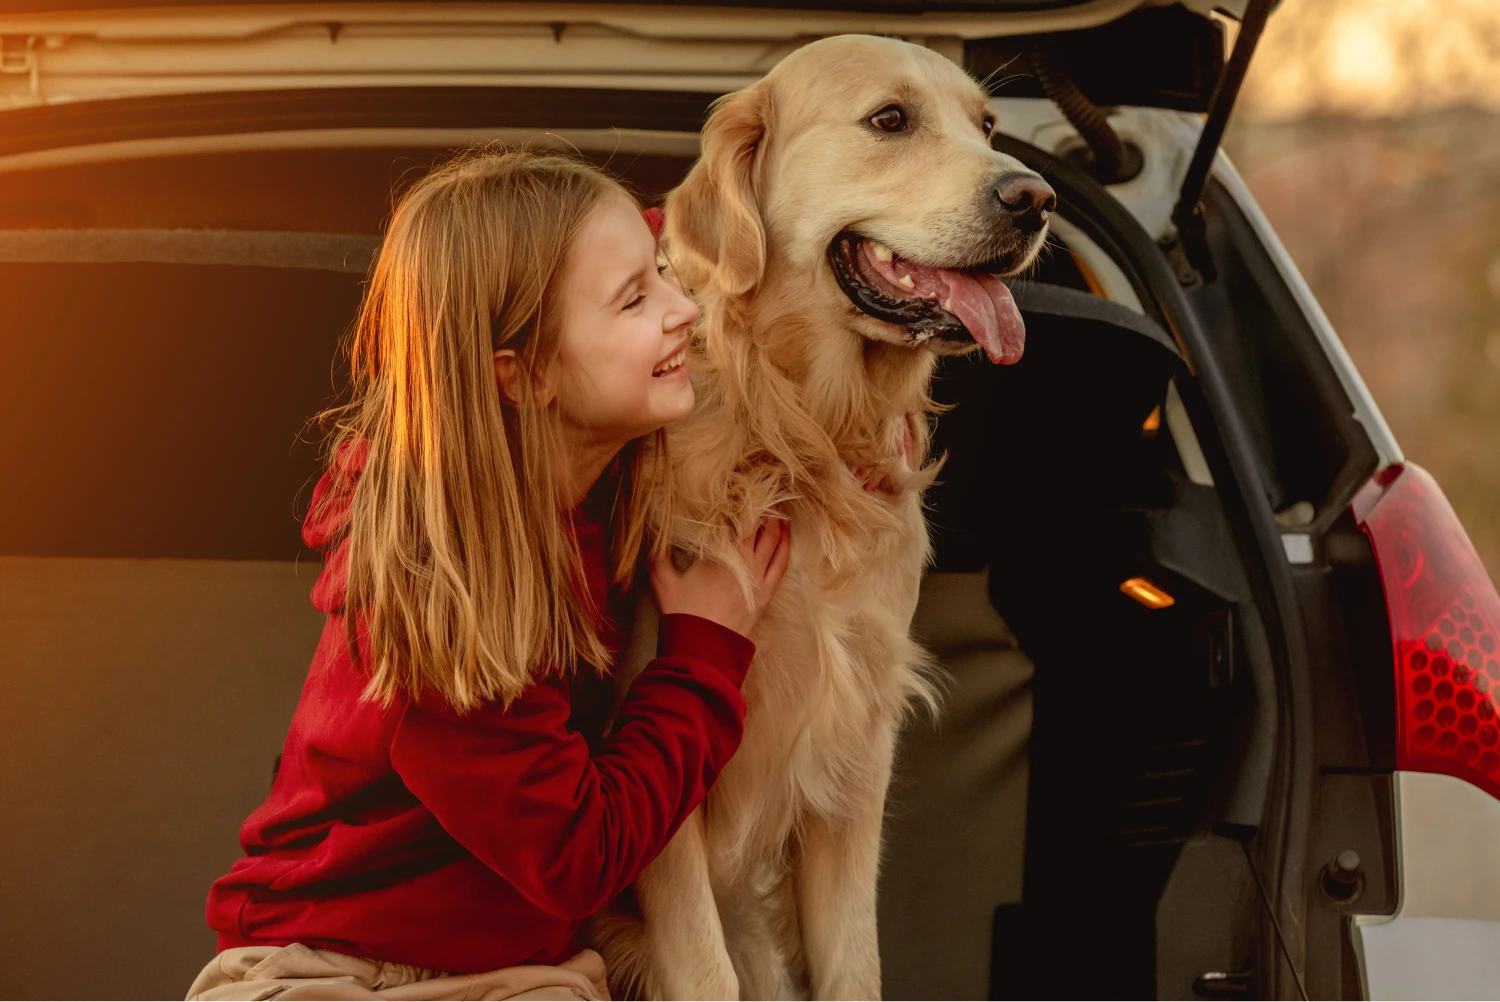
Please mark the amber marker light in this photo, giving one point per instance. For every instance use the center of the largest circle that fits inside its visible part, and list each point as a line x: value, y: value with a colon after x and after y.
x: 1152, y: 422
x: 1146, y: 593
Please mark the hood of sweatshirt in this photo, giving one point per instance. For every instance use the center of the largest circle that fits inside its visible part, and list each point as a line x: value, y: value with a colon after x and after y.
x: 327, y: 522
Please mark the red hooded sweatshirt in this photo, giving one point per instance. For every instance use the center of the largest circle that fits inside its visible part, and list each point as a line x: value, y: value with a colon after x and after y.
x: 466, y: 842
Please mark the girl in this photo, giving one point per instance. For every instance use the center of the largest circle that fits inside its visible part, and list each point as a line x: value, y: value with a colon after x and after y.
x: 447, y: 800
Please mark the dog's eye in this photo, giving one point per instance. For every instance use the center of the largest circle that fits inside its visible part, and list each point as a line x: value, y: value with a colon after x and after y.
x: 891, y: 118
x: 988, y: 125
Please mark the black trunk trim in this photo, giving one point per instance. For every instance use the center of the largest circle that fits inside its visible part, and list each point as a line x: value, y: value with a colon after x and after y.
x: 171, y: 116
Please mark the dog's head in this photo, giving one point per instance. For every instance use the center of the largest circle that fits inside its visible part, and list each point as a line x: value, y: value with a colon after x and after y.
x: 857, y: 180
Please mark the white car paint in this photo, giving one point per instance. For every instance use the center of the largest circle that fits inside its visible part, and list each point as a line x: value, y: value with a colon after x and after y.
x: 1165, y: 137
x: 1444, y: 940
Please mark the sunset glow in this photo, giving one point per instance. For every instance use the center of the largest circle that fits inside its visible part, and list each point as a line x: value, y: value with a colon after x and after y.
x: 1375, y: 57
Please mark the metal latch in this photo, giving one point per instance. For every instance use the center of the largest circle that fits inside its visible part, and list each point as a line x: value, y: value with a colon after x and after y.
x: 18, y: 57
x: 1222, y: 984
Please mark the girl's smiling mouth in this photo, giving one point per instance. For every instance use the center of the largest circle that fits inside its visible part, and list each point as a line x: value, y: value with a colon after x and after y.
x: 672, y: 363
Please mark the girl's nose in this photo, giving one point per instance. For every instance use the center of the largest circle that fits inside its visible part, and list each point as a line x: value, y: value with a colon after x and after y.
x: 682, y: 311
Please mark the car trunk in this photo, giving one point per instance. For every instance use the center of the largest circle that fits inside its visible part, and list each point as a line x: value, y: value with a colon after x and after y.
x: 174, y: 323
x: 1109, y: 595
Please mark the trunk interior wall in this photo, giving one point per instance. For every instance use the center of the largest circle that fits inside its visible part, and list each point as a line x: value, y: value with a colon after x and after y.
x: 165, y: 407
x: 169, y: 404
x: 281, y: 190
x: 146, y: 701
x: 955, y: 839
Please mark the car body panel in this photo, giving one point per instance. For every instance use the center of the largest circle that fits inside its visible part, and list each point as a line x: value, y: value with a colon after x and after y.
x: 1444, y: 940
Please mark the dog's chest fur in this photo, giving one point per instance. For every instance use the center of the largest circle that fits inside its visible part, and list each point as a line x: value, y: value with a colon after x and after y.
x: 834, y: 671
x: 835, y: 667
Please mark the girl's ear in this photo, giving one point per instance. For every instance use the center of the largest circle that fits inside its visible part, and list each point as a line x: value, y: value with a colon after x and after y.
x: 510, y: 379
x: 714, y: 214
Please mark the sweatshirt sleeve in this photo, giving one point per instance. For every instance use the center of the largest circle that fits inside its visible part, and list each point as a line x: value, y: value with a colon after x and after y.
x: 568, y: 829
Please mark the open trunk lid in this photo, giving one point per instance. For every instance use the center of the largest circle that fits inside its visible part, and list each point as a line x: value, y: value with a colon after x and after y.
x: 54, y: 51
x: 1083, y: 54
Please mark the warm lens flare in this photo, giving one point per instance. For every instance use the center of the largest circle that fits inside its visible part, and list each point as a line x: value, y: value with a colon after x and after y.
x: 1146, y: 593
x: 1375, y: 58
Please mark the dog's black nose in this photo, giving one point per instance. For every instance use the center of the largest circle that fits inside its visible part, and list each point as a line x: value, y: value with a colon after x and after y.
x: 1027, y: 199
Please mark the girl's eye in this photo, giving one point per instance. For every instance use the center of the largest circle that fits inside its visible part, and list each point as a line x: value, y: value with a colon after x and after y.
x: 637, y: 300
x: 664, y: 269
x: 891, y: 118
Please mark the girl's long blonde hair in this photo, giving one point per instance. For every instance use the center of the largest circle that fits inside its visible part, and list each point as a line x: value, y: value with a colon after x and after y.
x: 462, y: 560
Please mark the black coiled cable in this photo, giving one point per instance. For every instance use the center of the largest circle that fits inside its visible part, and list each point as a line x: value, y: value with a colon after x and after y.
x: 1113, y: 160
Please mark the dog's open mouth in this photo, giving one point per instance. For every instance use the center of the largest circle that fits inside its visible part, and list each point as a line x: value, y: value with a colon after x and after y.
x: 951, y: 303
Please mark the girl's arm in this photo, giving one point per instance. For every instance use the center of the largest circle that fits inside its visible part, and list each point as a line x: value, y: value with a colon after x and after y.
x: 569, y: 830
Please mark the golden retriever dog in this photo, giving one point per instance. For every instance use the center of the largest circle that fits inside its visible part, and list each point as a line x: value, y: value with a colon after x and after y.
x: 842, y: 229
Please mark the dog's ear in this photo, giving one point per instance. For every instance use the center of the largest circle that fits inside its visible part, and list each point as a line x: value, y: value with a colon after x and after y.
x: 714, y: 214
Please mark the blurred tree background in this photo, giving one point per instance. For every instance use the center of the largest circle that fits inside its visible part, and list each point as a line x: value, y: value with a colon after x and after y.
x: 1369, y: 131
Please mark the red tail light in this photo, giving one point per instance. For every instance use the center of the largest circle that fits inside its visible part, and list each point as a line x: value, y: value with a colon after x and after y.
x: 1445, y: 628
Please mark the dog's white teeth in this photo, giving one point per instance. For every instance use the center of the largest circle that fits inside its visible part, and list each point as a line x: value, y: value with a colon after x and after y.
x: 882, y: 252
x: 905, y: 281
x: 948, y: 305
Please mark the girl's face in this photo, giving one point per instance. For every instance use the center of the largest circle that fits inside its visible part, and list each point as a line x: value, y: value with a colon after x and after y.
x: 624, y: 330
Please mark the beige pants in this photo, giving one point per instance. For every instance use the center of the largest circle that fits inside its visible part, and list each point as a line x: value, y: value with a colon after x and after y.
x: 300, y: 972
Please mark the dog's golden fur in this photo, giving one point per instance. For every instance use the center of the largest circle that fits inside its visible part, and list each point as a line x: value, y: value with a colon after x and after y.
x: 768, y: 891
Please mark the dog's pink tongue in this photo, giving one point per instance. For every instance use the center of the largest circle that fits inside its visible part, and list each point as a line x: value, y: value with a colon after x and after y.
x: 981, y: 302
x: 984, y: 305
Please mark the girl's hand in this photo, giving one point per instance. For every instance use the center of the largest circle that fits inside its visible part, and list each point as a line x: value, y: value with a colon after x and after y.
x: 709, y: 590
